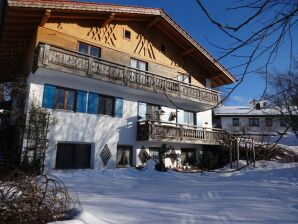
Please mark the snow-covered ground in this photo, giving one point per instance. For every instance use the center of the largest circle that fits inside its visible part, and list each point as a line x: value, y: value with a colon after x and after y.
x: 267, y: 194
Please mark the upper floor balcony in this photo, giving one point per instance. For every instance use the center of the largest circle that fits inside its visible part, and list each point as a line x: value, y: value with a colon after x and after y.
x: 80, y: 64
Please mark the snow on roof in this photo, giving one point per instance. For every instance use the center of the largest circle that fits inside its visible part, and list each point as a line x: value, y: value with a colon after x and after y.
x: 244, y: 111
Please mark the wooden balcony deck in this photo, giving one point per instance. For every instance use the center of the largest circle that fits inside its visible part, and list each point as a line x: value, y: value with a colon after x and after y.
x: 84, y: 65
x: 177, y: 133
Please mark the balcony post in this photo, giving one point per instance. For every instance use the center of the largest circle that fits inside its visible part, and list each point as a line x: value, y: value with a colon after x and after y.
x: 90, y: 64
x: 126, y: 78
x: 205, y: 133
x: 46, y: 54
x: 154, y: 80
x: 181, y: 132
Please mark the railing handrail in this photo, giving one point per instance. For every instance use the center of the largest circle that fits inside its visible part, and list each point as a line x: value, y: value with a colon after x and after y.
x: 170, y: 124
x: 84, y: 56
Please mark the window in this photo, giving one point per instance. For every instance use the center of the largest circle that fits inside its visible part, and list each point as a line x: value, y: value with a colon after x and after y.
x: 154, y: 153
x: 89, y: 50
x: 100, y: 104
x: 127, y: 34
x: 188, y: 157
x: 189, y: 118
x: 283, y: 123
x: 268, y: 122
x: 124, y: 156
x: 106, y: 105
x: 137, y: 64
x: 64, y: 98
x: 135, y: 76
x: 73, y: 156
x: 254, y: 122
x: 184, y: 78
x: 162, y: 48
x: 235, y: 122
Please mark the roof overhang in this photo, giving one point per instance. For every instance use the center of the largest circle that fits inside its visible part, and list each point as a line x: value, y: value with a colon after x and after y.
x: 22, y: 17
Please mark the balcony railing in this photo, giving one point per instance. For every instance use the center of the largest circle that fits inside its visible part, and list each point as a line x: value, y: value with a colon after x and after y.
x: 80, y: 64
x: 171, y: 132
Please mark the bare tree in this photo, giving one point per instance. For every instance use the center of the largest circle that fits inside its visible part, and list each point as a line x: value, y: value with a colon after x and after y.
x: 257, y: 38
x: 283, y: 95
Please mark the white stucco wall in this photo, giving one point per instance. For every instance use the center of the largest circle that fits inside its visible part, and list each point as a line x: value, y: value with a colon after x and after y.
x: 99, y: 130
x: 227, y: 124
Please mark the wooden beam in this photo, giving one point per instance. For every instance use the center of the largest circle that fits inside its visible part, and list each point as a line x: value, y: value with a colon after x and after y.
x: 108, y: 20
x: 187, y: 51
x: 153, y: 22
x: 216, y: 76
x: 45, y: 17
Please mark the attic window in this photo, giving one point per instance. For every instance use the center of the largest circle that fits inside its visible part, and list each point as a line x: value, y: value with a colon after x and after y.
x: 127, y: 34
x: 162, y: 48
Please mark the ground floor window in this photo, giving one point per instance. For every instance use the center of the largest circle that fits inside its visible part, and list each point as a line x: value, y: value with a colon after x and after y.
x: 268, y: 122
x: 154, y: 153
x: 73, y: 156
x: 254, y: 122
x: 188, y: 157
x: 124, y: 156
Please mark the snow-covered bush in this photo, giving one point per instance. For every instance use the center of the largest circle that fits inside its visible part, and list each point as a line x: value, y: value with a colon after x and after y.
x: 29, y: 199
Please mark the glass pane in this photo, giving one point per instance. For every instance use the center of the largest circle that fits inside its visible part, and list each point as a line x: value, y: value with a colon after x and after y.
x: 59, y: 99
x: 133, y: 63
x: 186, y: 117
x: 123, y: 156
x: 83, y: 48
x: 142, y: 65
x: 142, y: 107
x: 95, y: 52
x: 109, y: 106
x: 101, y: 105
x: 191, y: 118
x: 70, y: 99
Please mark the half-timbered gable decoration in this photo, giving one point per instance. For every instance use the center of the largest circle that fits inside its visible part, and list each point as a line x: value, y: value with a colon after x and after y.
x: 64, y: 23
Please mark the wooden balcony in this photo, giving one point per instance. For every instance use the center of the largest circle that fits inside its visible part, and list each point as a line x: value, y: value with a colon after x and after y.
x: 84, y: 65
x: 177, y: 133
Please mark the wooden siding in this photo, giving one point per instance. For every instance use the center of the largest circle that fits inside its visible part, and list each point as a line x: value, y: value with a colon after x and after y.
x: 144, y: 45
x: 80, y: 64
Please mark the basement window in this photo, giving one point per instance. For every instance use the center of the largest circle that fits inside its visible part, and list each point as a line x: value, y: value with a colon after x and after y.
x: 127, y: 34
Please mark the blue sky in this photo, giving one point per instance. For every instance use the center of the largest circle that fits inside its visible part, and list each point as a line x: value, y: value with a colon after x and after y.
x: 188, y: 14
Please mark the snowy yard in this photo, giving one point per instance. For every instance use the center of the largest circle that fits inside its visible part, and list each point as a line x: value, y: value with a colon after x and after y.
x: 267, y: 194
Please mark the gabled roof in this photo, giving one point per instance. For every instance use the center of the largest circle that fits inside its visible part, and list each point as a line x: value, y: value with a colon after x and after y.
x: 38, y: 7
x: 234, y: 111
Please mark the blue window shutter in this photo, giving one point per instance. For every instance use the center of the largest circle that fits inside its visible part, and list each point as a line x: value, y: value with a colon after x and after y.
x: 118, y: 107
x: 48, y: 96
x: 142, y: 109
x: 92, y: 103
x: 81, y: 101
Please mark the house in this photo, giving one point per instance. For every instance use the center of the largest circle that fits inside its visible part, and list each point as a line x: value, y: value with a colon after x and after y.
x: 118, y: 80
x: 258, y: 120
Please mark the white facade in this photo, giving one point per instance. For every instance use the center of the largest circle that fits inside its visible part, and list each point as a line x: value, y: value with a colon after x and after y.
x: 100, y: 130
x: 268, y: 120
